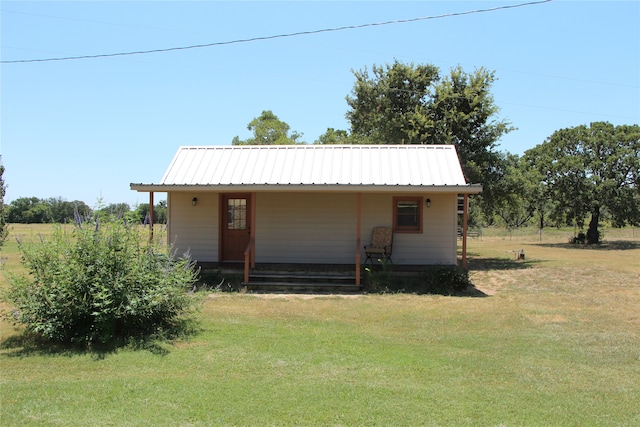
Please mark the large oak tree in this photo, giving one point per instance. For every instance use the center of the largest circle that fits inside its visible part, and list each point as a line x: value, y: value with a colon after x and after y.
x: 591, y: 170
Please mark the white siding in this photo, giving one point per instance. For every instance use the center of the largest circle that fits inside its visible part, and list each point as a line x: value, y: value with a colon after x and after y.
x: 194, y: 228
x: 306, y: 228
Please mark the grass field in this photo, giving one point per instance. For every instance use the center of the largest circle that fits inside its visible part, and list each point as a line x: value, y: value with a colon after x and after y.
x: 551, y: 340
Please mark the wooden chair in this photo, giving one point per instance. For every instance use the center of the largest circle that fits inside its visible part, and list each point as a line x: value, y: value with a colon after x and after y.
x: 380, y: 246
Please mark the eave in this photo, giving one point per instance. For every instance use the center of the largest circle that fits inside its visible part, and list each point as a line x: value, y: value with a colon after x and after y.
x: 352, y: 188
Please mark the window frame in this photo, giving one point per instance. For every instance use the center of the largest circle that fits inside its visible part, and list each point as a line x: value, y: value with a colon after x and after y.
x: 407, y: 229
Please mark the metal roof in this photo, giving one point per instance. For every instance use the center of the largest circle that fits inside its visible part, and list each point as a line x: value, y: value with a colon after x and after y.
x: 313, y: 166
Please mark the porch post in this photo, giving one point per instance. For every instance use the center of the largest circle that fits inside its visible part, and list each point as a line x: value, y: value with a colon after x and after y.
x: 252, y: 234
x: 151, y: 215
x: 465, y: 213
x: 358, y: 235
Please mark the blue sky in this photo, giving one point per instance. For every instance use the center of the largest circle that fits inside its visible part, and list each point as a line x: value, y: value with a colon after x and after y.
x: 85, y: 129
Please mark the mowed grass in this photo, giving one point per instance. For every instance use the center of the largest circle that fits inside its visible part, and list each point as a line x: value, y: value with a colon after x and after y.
x: 554, y: 341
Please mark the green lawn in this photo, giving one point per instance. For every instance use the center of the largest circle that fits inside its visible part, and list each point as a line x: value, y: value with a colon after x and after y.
x: 556, y: 341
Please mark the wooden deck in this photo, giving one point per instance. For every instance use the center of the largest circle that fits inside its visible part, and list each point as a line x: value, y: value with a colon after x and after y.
x: 339, y: 269
x: 303, y: 278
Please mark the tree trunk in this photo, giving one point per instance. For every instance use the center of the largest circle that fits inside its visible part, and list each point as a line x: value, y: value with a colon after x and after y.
x: 541, y: 224
x: 593, y: 235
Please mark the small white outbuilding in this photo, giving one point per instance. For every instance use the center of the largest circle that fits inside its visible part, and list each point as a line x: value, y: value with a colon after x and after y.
x: 314, y: 204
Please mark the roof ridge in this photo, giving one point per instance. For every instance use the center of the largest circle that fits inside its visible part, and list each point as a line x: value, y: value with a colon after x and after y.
x: 318, y: 146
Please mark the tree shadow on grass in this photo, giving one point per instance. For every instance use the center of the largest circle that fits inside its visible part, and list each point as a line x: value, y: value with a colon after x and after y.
x: 25, y: 344
x: 472, y: 292
x: 501, y: 264
x: 612, y: 245
x: 477, y: 263
x: 445, y: 280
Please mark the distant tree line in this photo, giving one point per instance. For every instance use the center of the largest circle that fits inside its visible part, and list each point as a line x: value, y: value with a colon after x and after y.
x: 32, y: 210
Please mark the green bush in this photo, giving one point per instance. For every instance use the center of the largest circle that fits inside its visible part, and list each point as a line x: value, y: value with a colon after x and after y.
x: 445, y: 280
x: 442, y: 280
x: 587, y: 238
x: 100, y: 285
x: 579, y: 239
x: 215, y: 280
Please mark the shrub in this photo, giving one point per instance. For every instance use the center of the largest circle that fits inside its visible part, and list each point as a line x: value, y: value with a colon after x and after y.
x: 579, y: 239
x: 589, y: 238
x: 101, y: 285
x: 446, y: 280
x: 215, y: 280
x: 379, y: 279
x: 442, y: 280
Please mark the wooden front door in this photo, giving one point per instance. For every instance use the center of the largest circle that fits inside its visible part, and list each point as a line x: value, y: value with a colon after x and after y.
x: 235, y: 226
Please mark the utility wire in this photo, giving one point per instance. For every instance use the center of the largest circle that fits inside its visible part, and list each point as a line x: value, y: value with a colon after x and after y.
x: 278, y: 36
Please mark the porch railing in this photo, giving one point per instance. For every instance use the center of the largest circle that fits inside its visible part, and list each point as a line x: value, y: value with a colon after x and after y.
x: 248, y: 259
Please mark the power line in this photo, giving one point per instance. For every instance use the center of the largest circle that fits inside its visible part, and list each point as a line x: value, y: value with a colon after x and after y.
x: 278, y: 36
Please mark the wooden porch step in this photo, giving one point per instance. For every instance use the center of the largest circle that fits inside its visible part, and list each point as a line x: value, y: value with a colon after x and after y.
x: 302, y: 287
x: 302, y: 277
x: 317, y: 282
x: 284, y: 278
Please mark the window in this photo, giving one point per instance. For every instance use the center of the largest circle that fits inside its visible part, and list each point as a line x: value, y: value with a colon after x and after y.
x: 407, y: 214
x: 236, y: 214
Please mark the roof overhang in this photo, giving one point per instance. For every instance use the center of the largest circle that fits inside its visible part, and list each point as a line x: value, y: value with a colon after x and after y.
x: 353, y: 188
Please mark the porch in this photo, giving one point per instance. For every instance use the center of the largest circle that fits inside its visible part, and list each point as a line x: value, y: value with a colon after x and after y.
x: 303, y: 278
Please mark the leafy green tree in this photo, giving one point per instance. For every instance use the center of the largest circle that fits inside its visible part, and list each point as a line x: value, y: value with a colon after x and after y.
x: 159, y: 212
x: 536, y: 195
x: 463, y: 113
x: 334, y: 137
x: 101, y: 285
x: 391, y: 105
x: 516, y: 206
x: 161, y: 209
x: 411, y: 104
x: 29, y: 210
x: 118, y: 210
x: 590, y: 170
x: 63, y: 211
x: 3, y: 218
x: 268, y: 129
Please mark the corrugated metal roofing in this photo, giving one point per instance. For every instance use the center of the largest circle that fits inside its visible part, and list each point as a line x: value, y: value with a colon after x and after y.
x: 316, y: 165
